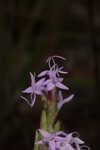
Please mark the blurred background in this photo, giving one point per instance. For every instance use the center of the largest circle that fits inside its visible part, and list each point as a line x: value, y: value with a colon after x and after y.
x: 32, y: 30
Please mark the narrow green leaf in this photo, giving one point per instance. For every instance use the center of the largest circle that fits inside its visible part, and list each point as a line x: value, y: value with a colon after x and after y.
x: 43, y: 123
x: 57, y: 126
x: 37, y: 138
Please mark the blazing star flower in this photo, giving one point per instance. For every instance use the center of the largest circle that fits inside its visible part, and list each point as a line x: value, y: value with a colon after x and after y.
x: 62, y: 101
x: 33, y: 90
x: 61, y: 141
x: 54, y: 78
x: 50, y: 139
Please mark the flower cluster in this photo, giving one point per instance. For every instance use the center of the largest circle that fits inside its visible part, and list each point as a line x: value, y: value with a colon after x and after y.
x: 49, y: 80
x: 61, y: 141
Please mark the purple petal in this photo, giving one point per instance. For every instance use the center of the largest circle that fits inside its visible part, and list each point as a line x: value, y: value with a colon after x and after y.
x: 47, y: 82
x: 33, y: 101
x: 60, y: 70
x: 60, y: 79
x: 39, y: 142
x: 32, y: 79
x: 59, y: 57
x: 48, y: 59
x: 26, y: 100
x: 52, y: 145
x: 43, y: 73
x: 60, y: 97
x: 66, y: 100
x: 59, y: 139
x: 45, y: 134
x: 78, y: 141
x: 28, y: 90
x: 62, y: 102
x: 63, y: 72
x: 61, y: 86
x: 69, y: 137
x: 61, y: 133
x: 40, y: 82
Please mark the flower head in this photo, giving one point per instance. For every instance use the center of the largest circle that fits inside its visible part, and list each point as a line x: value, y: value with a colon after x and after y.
x: 53, y: 80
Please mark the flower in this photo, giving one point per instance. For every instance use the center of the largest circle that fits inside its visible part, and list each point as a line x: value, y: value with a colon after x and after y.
x: 61, y: 141
x: 50, y: 139
x: 35, y: 89
x: 54, y: 78
x: 62, y: 101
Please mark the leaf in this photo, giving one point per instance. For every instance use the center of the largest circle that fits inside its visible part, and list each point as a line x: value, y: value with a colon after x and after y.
x: 57, y: 126
x: 37, y: 138
x: 43, y: 122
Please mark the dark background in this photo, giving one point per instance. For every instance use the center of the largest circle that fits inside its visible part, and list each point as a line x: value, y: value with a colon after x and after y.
x: 30, y: 31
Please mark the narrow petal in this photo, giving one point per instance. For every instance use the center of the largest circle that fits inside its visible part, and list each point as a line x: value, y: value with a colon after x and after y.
x: 60, y: 97
x: 26, y: 100
x: 48, y: 59
x: 78, y: 147
x: 69, y: 138
x: 59, y: 57
x: 45, y: 134
x: 61, y: 133
x: 47, y: 82
x: 39, y: 142
x: 61, y: 86
x: 60, y: 70
x: 66, y: 100
x: 28, y: 90
x: 78, y: 141
x: 63, y: 72
x: 32, y: 79
x: 59, y: 139
x: 60, y: 79
x: 40, y: 82
x: 43, y: 73
x: 33, y: 101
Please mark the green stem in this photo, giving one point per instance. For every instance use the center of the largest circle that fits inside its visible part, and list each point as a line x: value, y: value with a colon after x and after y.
x: 47, y: 118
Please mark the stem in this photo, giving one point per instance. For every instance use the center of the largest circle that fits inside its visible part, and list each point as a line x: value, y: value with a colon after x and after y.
x: 52, y: 109
x: 49, y: 112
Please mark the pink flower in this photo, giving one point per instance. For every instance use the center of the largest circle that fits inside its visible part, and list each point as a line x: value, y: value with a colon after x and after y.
x: 61, y: 141
x: 34, y: 89
x: 54, y: 78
